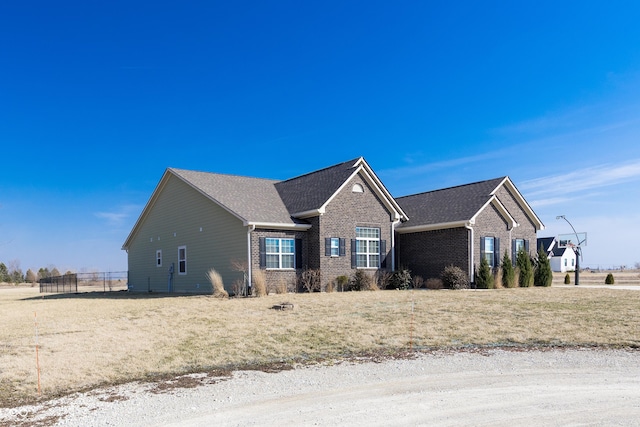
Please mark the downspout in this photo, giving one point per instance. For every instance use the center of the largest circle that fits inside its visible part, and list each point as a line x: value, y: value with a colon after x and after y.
x: 393, y: 243
x: 471, y: 246
x: 250, y: 228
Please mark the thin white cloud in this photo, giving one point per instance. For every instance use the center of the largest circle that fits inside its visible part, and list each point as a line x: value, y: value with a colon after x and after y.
x: 119, y: 217
x: 581, y: 180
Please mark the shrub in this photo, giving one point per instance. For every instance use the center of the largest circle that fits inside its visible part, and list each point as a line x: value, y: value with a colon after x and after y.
x: 342, y: 282
x: 417, y: 282
x: 609, y: 279
x: 543, y: 275
x: 281, y: 287
x: 259, y: 283
x: 508, y: 273
x: 433, y: 283
x: 382, y: 279
x: 455, y: 278
x: 359, y: 281
x: 331, y: 286
x: 567, y: 279
x: 217, y: 287
x: 309, y: 280
x: 400, y: 279
x: 484, y: 278
x: 523, y: 261
x: 237, y: 288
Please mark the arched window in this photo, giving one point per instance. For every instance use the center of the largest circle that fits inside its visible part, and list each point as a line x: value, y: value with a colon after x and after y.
x: 357, y: 188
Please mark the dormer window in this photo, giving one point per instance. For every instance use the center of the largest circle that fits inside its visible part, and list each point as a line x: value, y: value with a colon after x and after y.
x: 357, y: 188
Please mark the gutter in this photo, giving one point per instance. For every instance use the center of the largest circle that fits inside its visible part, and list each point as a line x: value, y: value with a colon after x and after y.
x: 393, y: 243
x: 471, y: 246
x: 250, y: 228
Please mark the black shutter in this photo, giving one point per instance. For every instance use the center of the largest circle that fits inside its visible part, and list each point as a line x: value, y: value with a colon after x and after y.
x: 354, y: 260
x: 496, y: 252
x: 526, y: 246
x: 327, y: 246
x: 263, y: 252
x: 343, y: 249
x: 514, y: 255
x: 298, y: 253
x: 481, y: 246
x: 383, y: 254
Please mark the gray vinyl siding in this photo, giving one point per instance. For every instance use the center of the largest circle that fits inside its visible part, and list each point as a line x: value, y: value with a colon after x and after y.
x: 181, y: 216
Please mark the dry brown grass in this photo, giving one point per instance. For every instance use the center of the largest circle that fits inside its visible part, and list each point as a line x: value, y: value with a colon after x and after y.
x: 94, y: 339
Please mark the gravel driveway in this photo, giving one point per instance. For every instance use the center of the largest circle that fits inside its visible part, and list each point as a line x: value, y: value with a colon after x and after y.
x: 467, y: 388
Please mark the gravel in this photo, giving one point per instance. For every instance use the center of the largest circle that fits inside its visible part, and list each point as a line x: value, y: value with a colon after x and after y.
x: 497, y: 387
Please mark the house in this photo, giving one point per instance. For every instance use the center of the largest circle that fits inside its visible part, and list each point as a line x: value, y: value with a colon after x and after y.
x: 460, y: 225
x: 334, y: 220
x: 561, y: 259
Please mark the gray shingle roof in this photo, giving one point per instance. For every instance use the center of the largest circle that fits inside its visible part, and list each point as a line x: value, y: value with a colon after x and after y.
x: 310, y: 191
x: 452, y: 204
x: 252, y: 199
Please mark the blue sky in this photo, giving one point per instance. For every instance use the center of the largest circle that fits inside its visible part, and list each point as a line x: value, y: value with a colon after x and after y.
x: 97, y: 99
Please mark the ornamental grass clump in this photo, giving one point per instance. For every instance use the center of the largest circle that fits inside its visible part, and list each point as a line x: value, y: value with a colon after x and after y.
x: 259, y: 283
x: 217, y: 287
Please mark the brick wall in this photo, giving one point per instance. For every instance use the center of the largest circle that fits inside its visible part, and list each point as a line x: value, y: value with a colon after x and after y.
x: 343, y: 214
x: 427, y: 253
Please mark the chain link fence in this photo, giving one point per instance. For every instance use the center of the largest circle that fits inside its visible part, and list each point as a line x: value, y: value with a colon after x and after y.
x: 111, y: 281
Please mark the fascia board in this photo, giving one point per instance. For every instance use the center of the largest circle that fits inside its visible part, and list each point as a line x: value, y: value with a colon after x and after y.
x: 147, y: 208
x: 493, y: 200
x: 361, y: 166
x: 309, y: 213
x: 521, y: 201
x: 433, y: 227
x: 278, y: 226
x: 152, y: 200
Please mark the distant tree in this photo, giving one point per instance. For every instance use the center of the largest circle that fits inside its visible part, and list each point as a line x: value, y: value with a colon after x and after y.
x: 609, y: 280
x: 543, y: 275
x: 30, y: 277
x: 16, y: 276
x: 523, y: 261
x: 4, y: 273
x: 508, y: 273
x: 43, y: 273
x: 484, y: 277
x: 55, y: 272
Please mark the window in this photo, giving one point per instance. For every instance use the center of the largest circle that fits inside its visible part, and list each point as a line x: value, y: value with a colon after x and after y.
x: 573, y: 262
x: 335, y: 246
x: 519, y: 245
x: 565, y: 262
x: 159, y: 258
x: 280, y: 253
x: 490, y: 250
x: 367, y: 247
x: 182, y: 260
x: 357, y: 188
x: 516, y: 246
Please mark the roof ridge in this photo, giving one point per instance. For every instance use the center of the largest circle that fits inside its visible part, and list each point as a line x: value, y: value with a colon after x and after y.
x: 321, y: 170
x: 227, y: 174
x: 454, y: 187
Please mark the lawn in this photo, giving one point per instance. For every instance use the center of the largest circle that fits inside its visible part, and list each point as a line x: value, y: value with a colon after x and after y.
x: 93, y: 339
